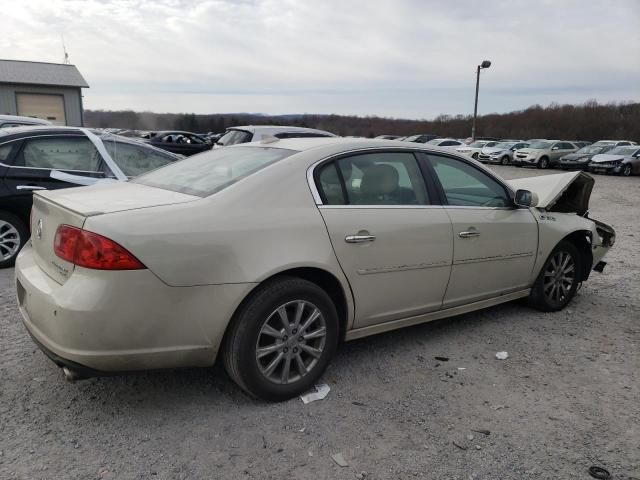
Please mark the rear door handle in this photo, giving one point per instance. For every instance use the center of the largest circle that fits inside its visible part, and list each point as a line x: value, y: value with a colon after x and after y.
x: 469, y: 234
x: 29, y: 187
x: 359, y: 238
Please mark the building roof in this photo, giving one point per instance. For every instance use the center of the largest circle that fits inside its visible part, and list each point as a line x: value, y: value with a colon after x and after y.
x: 41, y: 73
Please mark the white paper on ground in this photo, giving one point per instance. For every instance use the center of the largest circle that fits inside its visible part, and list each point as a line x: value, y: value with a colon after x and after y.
x: 502, y: 355
x: 322, y: 390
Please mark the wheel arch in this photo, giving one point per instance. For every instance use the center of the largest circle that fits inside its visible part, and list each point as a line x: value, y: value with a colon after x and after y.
x: 582, y: 239
x: 324, y: 279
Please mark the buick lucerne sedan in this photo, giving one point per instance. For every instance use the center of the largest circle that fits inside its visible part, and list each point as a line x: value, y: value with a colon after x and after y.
x: 269, y: 254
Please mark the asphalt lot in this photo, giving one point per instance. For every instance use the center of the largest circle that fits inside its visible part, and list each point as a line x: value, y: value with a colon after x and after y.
x: 566, y: 398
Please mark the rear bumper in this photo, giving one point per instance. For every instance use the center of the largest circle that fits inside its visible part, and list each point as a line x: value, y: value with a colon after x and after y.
x: 99, y: 321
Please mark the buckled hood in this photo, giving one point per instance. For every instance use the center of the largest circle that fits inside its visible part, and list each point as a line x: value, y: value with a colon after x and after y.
x: 563, y: 192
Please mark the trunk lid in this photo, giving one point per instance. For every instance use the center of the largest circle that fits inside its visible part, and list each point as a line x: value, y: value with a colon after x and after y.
x: 72, y: 206
x: 563, y: 192
x: 114, y: 197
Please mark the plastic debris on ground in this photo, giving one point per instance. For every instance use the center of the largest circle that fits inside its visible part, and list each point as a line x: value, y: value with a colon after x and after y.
x: 339, y: 459
x: 322, y: 390
x: 502, y: 355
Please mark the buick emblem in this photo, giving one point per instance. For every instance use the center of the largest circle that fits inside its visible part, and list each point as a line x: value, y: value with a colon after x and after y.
x: 39, y: 230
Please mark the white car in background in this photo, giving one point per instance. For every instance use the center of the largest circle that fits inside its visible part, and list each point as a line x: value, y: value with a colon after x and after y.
x: 474, y: 149
x: 450, y: 143
x: 268, y: 254
x: 254, y: 133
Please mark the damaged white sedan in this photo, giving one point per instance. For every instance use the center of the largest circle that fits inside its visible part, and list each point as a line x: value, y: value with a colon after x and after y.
x: 269, y: 254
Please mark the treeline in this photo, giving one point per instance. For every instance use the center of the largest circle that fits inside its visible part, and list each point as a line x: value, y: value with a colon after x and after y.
x: 589, y: 121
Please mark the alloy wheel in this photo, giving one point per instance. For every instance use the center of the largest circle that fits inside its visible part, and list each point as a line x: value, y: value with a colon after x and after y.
x: 626, y: 170
x: 559, y: 277
x: 9, y: 240
x: 291, y: 342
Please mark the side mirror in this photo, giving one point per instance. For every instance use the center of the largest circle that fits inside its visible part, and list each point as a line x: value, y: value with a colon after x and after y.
x: 555, y: 148
x: 525, y: 198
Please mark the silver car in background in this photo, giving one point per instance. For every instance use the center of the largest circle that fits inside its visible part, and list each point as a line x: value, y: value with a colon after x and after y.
x: 543, y: 154
x: 501, y: 153
x: 474, y: 148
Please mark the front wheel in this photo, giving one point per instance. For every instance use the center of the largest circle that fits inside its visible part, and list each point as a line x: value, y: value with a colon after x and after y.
x: 558, y: 280
x: 505, y: 160
x: 543, y: 163
x: 626, y: 170
x: 13, y: 236
x: 282, y: 339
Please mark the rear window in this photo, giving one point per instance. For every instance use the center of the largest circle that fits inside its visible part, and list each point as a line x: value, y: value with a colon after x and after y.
x: 234, y: 137
x: 212, y: 171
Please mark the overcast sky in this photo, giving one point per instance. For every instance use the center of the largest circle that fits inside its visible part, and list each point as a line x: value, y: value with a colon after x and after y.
x: 402, y: 58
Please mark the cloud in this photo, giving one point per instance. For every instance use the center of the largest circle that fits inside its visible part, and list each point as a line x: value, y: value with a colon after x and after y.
x: 404, y: 58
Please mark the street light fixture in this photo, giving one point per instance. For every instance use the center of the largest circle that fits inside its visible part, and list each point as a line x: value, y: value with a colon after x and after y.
x: 484, y: 64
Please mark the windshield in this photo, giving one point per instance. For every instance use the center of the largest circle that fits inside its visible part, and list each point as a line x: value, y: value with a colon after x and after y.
x: 234, y: 137
x: 504, y: 145
x: 628, y: 150
x: 591, y: 150
x: 540, y: 145
x: 214, y: 170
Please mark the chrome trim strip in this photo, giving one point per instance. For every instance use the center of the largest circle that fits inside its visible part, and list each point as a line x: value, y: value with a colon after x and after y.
x: 428, y: 317
x: 491, y: 259
x: 385, y: 207
x: 402, y: 268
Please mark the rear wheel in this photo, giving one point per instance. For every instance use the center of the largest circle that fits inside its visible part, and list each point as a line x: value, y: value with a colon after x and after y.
x: 558, y: 280
x: 282, y: 339
x: 626, y: 170
x: 13, y: 236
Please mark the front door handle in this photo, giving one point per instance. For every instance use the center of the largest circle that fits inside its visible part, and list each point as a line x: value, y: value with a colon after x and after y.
x: 470, y: 234
x: 359, y: 238
x: 29, y: 187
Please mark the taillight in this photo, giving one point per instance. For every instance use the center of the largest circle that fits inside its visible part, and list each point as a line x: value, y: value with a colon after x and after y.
x: 90, y: 250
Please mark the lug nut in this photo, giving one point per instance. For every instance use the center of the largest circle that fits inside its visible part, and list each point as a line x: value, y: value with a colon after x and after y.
x: 295, y: 349
x: 301, y: 339
x: 285, y: 349
x: 294, y: 331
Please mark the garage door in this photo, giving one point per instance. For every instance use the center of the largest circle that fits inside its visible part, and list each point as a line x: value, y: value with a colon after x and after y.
x: 47, y: 107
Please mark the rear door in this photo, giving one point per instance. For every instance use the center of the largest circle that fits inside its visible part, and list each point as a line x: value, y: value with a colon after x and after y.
x: 494, y: 242
x: 393, y: 241
x: 37, y: 156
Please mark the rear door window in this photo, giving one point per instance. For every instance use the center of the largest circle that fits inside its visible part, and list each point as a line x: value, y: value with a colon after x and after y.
x: 390, y: 178
x: 59, y: 153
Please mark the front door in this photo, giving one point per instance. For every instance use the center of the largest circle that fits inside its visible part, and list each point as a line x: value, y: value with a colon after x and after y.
x: 393, y: 243
x: 494, y: 242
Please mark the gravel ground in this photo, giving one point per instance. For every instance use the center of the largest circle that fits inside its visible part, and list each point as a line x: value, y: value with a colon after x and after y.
x: 565, y: 399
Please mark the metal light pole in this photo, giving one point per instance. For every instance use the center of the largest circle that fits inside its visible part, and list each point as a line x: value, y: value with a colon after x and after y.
x: 484, y: 64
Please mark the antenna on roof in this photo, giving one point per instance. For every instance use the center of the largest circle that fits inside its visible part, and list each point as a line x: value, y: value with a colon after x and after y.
x: 64, y: 49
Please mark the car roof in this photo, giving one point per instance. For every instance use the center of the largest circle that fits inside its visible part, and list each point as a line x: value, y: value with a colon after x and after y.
x: 276, y: 129
x: 18, y: 118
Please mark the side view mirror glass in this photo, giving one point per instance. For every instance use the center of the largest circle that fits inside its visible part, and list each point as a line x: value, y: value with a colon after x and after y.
x: 525, y: 198
x: 555, y: 148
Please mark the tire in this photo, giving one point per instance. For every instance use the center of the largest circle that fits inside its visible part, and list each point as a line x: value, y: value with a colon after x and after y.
x: 626, y: 170
x: 552, y: 292
x: 13, y: 235
x: 257, y: 329
x: 504, y: 160
x: 475, y: 156
x: 543, y: 163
